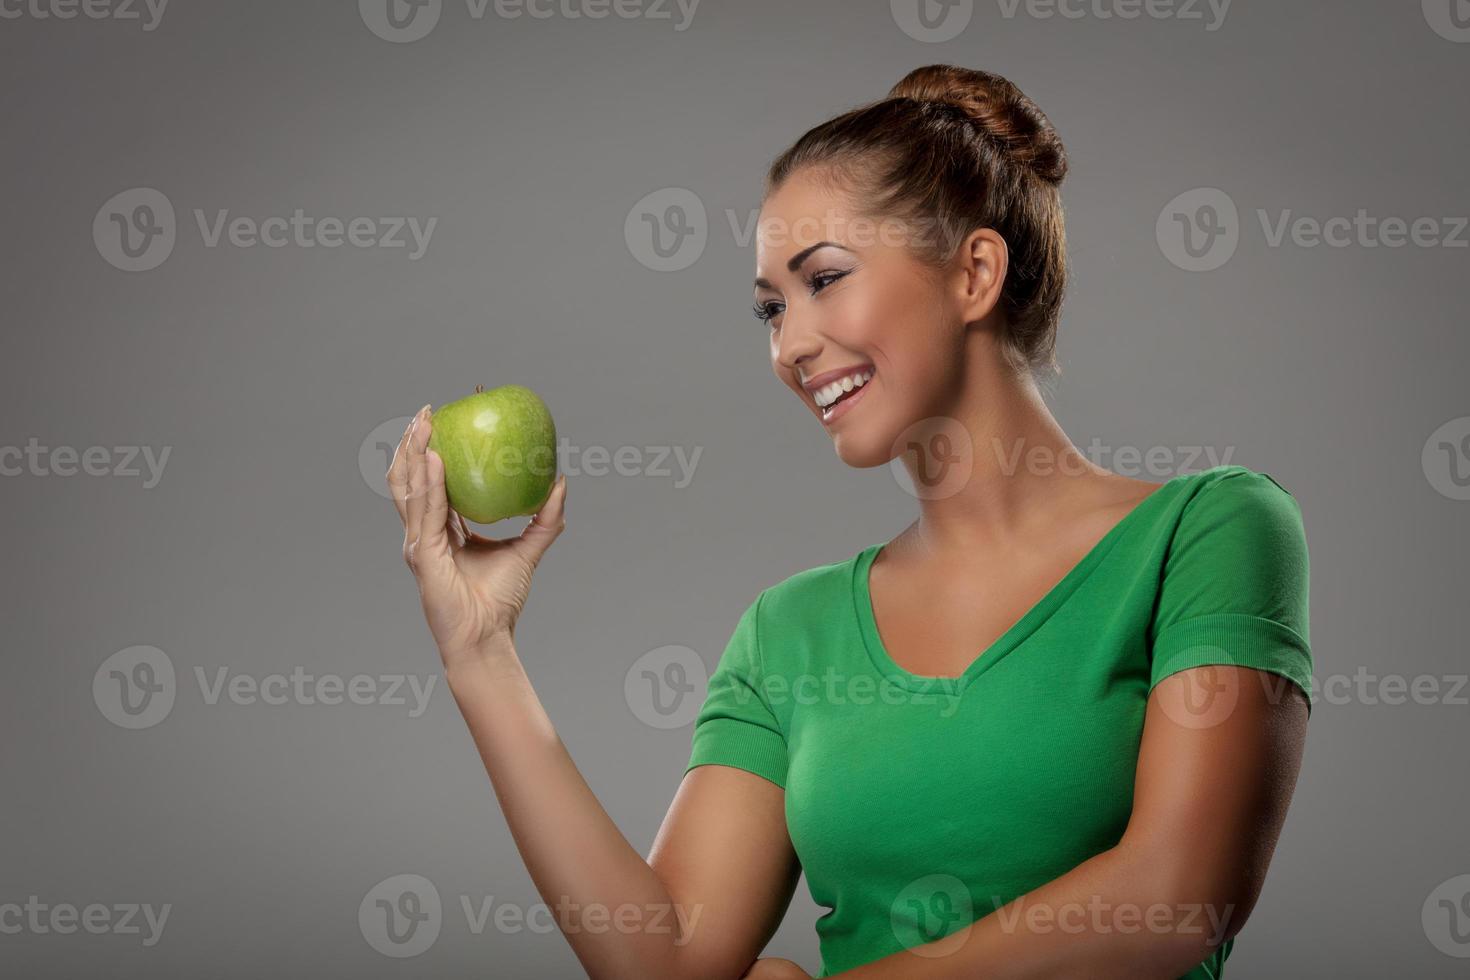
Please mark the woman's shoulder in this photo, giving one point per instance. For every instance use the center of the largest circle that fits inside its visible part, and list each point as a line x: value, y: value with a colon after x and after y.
x: 1232, y: 489
x: 1237, y: 475
x: 1232, y: 518
x: 815, y: 588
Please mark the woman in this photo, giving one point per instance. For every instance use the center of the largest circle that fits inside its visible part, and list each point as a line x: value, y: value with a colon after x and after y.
x: 1051, y: 729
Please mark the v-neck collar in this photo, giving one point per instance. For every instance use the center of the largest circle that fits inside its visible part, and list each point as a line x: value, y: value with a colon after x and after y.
x: 1007, y: 641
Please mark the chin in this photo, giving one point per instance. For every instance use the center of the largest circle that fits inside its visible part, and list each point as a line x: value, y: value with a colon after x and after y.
x: 863, y: 447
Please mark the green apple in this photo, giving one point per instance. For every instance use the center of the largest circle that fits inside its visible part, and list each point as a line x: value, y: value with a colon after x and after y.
x: 499, y: 452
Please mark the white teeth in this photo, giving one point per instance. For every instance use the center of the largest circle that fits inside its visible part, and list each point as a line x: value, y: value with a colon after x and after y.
x: 828, y: 394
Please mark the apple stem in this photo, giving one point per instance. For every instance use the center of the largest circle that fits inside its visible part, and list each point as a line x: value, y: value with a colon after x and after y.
x: 479, y: 389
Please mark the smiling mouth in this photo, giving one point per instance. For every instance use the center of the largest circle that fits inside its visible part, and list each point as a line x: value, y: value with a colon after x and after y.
x: 842, y: 394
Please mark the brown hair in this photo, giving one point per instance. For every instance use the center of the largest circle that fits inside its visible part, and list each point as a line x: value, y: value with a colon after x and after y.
x: 963, y: 149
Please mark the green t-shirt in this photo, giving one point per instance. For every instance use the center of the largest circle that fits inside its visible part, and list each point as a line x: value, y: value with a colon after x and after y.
x: 919, y: 804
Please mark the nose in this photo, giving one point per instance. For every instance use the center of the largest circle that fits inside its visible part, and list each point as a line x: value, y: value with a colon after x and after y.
x: 795, y: 344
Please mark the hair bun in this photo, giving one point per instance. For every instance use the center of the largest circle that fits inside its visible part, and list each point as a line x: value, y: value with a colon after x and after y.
x: 999, y: 108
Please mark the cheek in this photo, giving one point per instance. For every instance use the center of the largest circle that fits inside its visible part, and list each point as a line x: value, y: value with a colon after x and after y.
x: 862, y: 320
x: 920, y: 369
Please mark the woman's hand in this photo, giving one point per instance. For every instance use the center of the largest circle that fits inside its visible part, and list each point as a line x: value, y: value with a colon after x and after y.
x: 472, y: 587
x: 775, y: 968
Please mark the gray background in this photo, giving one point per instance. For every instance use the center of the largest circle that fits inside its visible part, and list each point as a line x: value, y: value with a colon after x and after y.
x: 264, y: 549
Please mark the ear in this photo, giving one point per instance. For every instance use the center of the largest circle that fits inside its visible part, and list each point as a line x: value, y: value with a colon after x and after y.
x: 983, y: 259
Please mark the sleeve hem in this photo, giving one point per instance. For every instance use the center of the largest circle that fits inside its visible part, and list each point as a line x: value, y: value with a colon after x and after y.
x: 729, y: 742
x: 1234, y: 639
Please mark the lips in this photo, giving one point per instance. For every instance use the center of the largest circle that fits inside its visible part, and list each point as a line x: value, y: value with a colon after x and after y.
x: 845, y: 403
x: 818, y: 381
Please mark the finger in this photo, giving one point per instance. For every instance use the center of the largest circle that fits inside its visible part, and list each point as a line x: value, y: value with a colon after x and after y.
x: 398, y: 472
x: 417, y: 440
x: 548, y: 522
x: 462, y: 527
x: 433, y: 557
x: 455, y: 531
x: 434, y: 526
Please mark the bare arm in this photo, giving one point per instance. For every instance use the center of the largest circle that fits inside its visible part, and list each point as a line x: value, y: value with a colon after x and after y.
x: 1210, y: 798
x: 722, y: 869
x: 718, y: 879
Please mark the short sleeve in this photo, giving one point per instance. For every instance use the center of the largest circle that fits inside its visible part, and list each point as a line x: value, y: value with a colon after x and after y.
x: 1234, y: 587
x: 736, y: 726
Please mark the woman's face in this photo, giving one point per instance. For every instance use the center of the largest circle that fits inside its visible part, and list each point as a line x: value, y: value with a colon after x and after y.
x: 846, y: 299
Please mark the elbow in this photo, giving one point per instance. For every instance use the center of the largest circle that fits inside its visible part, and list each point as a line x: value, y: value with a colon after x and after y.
x: 1199, y: 912
x: 1203, y: 928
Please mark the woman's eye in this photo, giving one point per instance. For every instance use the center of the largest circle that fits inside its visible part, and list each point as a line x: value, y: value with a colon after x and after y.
x: 825, y: 279
x: 817, y: 283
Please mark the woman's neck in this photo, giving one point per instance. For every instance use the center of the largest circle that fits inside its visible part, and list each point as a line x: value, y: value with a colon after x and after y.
x: 1024, y: 473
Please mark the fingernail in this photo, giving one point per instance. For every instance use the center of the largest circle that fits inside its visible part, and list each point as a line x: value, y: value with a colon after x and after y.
x: 424, y: 411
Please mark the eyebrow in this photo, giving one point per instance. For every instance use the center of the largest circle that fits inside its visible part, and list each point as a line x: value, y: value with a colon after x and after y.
x: 796, y: 260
